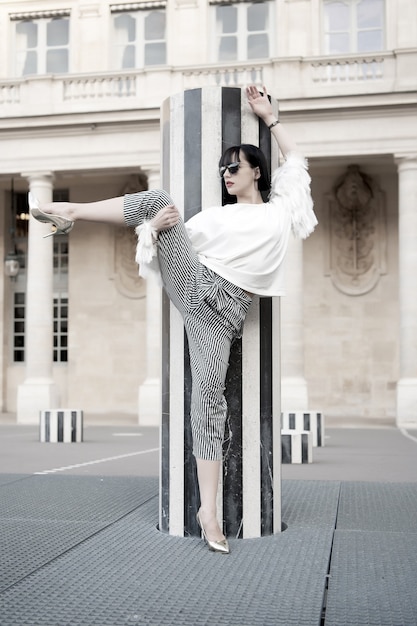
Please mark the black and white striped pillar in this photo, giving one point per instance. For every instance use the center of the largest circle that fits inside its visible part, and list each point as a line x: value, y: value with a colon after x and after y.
x: 197, y: 126
x: 61, y: 426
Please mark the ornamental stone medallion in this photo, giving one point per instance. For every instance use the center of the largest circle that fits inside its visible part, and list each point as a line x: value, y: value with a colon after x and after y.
x: 356, y: 241
x: 126, y: 270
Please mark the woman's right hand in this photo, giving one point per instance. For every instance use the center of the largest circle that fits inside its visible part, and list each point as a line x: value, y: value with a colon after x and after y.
x: 166, y: 218
x: 259, y: 103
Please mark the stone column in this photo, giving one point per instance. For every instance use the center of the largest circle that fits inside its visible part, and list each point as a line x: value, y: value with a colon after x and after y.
x: 197, y: 126
x: 38, y: 391
x: 407, y: 238
x: 150, y: 389
x: 294, y: 393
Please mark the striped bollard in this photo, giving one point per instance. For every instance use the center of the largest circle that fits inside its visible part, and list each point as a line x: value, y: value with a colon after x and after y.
x: 61, y: 426
x: 197, y: 126
x: 296, y: 446
x: 299, y: 421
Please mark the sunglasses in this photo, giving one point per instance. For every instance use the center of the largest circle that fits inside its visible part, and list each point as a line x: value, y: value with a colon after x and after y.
x: 232, y: 167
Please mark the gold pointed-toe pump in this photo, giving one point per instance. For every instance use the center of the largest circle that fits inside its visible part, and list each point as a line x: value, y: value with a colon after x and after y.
x: 62, y: 225
x: 221, y: 546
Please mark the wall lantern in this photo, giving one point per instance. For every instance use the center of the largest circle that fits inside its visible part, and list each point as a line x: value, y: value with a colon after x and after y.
x: 11, y: 265
x: 11, y: 262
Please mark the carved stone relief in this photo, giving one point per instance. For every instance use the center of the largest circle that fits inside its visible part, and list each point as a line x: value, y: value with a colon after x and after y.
x: 356, y: 240
x: 126, y: 270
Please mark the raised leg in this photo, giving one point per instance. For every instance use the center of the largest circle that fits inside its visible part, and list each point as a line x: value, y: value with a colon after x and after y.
x: 110, y: 211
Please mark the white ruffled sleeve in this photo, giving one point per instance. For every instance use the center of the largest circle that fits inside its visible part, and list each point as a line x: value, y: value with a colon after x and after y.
x: 291, y: 184
x: 146, y: 251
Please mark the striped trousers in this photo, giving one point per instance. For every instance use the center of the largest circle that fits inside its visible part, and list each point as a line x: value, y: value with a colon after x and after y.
x: 213, y: 310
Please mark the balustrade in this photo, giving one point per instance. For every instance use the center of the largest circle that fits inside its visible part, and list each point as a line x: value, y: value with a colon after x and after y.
x: 147, y: 88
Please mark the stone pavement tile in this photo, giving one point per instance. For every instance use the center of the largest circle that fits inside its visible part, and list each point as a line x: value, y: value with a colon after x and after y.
x: 378, y: 506
x: 74, y: 498
x: 41, y: 517
x: 373, y: 579
x: 130, y: 573
x: 309, y: 504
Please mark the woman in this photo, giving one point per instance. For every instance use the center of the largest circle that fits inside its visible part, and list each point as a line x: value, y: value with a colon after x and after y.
x: 210, y: 268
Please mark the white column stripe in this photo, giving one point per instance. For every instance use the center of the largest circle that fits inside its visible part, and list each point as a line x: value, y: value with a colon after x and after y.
x: 211, y: 140
x: 176, y: 365
x: 251, y: 438
x: 176, y: 427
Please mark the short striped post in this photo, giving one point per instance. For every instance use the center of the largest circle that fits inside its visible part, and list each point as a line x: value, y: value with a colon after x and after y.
x: 61, y: 426
x: 297, y: 447
x: 197, y: 126
x: 299, y: 421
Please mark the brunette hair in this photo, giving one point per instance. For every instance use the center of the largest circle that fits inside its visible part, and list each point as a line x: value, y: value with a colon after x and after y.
x: 256, y: 158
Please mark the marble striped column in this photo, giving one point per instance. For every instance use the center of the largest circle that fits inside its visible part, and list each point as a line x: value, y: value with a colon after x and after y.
x: 197, y: 126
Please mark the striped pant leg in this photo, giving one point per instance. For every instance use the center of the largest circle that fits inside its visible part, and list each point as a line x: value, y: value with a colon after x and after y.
x: 209, y: 343
x: 178, y: 261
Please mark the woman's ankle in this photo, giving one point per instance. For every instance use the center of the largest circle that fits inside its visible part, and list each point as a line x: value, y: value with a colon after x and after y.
x: 63, y: 209
x: 207, y: 512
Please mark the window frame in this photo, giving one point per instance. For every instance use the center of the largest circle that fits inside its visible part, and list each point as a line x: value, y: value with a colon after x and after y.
x: 42, y: 48
x: 353, y: 30
x: 242, y: 31
x: 60, y: 347
x: 140, y: 42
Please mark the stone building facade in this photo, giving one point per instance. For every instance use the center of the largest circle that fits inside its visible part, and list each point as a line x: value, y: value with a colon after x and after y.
x: 81, y: 86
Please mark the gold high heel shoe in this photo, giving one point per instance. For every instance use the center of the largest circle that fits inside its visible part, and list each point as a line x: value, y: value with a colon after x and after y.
x: 62, y: 225
x: 221, y: 546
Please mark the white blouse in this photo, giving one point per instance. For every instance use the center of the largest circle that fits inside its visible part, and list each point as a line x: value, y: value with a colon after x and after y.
x: 246, y: 243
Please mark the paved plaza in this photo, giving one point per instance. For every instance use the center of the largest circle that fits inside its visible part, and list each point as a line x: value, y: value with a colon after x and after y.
x: 79, y: 541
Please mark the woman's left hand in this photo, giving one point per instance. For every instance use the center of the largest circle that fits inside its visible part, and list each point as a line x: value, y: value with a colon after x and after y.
x: 259, y: 102
x: 166, y: 218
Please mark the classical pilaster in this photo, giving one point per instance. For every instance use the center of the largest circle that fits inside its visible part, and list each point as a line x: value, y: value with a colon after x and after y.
x: 38, y: 391
x: 407, y: 238
x: 149, y: 400
x: 294, y: 393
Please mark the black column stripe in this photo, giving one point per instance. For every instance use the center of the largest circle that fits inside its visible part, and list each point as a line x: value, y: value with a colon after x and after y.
x: 73, y: 426
x: 60, y: 426
x: 232, y: 447
x: 191, y: 491
x: 286, y: 446
x: 304, y: 448
x: 231, y: 117
x: 232, y: 465
x: 319, y: 430
x: 47, y: 426
x: 266, y: 382
x: 265, y: 144
x: 165, y: 417
x: 193, y: 173
x: 265, y: 410
x: 192, y: 153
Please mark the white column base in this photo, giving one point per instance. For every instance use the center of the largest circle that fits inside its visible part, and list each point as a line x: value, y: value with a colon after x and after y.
x: 34, y: 396
x: 149, y: 402
x: 407, y: 403
x: 294, y: 394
